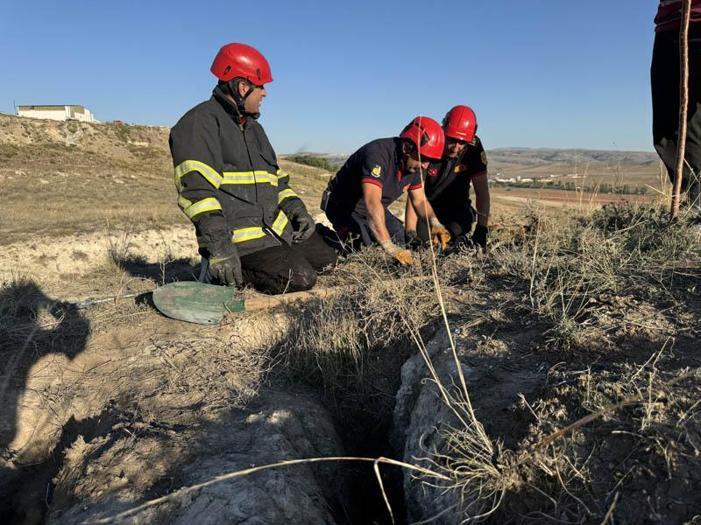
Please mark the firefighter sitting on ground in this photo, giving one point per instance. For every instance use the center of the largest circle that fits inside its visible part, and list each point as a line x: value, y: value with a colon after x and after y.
x: 447, y: 184
x: 356, y: 200
x: 251, y: 226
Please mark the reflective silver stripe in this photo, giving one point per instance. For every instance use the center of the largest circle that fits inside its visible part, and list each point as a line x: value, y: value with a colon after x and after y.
x: 247, y: 234
x: 249, y: 177
x: 189, y: 166
x: 286, y: 194
x: 208, y: 204
x: 280, y: 223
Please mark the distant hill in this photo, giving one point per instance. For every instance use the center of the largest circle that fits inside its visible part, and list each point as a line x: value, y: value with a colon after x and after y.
x: 531, y: 157
x: 547, y: 156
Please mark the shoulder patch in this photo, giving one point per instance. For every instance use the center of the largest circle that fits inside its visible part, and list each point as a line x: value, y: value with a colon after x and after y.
x: 376, y: 171
x: 483, y: 157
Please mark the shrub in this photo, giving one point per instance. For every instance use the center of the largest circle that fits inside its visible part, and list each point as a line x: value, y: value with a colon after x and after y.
x: 312, y: 160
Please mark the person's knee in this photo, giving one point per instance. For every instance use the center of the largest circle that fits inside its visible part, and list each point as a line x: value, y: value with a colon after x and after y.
x: 302, y: 277
x: 327, y: 257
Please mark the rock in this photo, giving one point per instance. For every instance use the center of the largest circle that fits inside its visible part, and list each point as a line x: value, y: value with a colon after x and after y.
x: 418, y: 415
x: 421, y: 418
x: 128, y: 470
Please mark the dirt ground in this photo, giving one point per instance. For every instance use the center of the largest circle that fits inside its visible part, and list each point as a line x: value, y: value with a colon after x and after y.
x: 568, y: 328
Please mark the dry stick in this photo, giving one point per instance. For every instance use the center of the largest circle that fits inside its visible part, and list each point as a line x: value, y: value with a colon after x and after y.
x: 609, y: 513
x: 683, y: 106
x: 376, y: 468
x: 240, y: 473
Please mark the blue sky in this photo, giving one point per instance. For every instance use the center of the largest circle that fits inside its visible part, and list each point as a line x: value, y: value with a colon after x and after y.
x: 539, y: 73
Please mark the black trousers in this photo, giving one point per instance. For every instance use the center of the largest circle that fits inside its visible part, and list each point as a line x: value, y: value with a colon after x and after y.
x: 353, y: 229
x: 287, y: 268
x: 664, y: 74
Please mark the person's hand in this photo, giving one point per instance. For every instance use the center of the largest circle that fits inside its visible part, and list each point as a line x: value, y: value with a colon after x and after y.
x: 463, y: 242
x: 302, y: 223
x: 225, y: 265
x: 440, y: 236
x: 480, y: 236
x: 412, y: 239
x: 402, y: 255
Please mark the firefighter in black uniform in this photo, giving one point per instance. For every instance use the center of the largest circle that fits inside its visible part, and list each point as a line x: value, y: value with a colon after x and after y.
x: 447, y: 184
x: 357, y: 198
x: 251, y: 226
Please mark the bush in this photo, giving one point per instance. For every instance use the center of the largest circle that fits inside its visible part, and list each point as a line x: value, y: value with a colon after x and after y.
x: 312, y: 160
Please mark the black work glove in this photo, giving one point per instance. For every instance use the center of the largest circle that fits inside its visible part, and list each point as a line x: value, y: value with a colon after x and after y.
x: 463, y: 242
x: 302, y: 222
x: 412, y: 239
x: 480, y: 235
x: 224, y: 264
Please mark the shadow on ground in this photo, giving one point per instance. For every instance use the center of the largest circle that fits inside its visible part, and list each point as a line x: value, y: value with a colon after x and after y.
x: 32, y: 326
x: 180, y: 269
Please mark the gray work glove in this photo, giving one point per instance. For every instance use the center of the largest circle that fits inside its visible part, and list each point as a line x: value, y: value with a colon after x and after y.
x: 302, y: 222
x: 224, y: 264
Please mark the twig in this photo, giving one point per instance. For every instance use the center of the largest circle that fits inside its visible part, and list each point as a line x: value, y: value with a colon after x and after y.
x: 683, y: 106
x: 376, y: 468
x: 245, y: 472
x: 609, y: 513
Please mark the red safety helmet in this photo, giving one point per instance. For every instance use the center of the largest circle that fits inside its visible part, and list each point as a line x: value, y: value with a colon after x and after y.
x: 427, y: 135
x: 241, y: 60
x: 460, y: 123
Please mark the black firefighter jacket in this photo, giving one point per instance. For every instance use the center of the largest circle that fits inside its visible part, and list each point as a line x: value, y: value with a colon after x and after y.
x: 228, y: 179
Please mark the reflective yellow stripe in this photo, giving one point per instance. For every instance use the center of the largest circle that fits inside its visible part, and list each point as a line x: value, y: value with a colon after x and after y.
x: 183, y: 202
x: 280, y: 222
x: 208, y: 204
x: 207, y: 172
x: 282, y: 174
x: 285, y: 194
x: 248, y: 234
x: 249, y: 177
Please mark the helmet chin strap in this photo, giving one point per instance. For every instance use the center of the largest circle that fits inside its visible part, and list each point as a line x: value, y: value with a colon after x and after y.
x: 233, y: 88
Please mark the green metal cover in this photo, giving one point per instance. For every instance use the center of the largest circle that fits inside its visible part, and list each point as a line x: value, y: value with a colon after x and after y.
x: 196, y: 302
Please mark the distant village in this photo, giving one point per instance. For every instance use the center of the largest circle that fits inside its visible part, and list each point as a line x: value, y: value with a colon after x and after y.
x: 56, y: 112
x: 566, y: 182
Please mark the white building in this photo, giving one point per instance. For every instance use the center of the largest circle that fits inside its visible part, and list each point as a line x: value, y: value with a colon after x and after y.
x: 56, y: 112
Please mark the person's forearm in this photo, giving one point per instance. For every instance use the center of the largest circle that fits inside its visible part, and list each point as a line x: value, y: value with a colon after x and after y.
x: 410, y: 218
x: 376, y: 216
x: 480, y: 184
x: 424, y: 210
x: 483, y: 205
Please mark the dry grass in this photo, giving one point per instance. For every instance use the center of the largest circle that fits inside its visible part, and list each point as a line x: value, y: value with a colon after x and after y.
x: 567, y: 271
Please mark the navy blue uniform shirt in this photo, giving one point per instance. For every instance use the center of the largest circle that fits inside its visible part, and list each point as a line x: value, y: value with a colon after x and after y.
x: 378, y: 163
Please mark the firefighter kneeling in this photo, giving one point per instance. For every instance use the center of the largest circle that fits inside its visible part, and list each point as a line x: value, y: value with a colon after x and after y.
x: 251, y: 226
x: 448, y: 181
x: 356, y: 200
